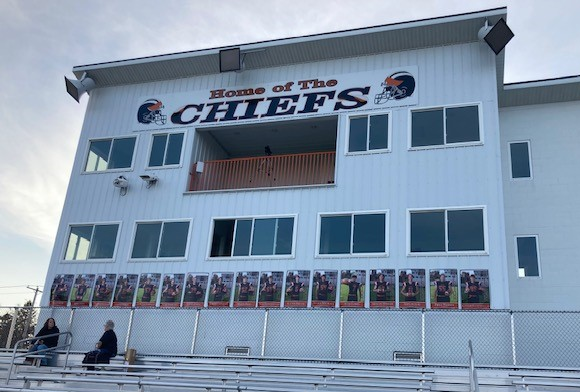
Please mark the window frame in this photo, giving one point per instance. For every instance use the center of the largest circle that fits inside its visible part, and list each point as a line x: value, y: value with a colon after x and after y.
x: 130, y: 257
x: 112, y: 138
x: 531, y: 177
x: 208, y: 256
x: 447, y: 252
x: 176, y: 165
x: 100, y: 260
x: 479, y: 142
x: 517, y: 256
x: 368, y: 115
x: 321, y: 215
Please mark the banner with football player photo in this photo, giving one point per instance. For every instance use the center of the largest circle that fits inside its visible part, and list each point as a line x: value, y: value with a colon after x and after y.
x: 103, y: 291
x: 297, y: 285
x: 246, y: 289
x: 171, y: 290
x: 475, y: 289
x: 148, y: 290
x: 220, y: 289
x: 382, y: 294
x: 443, y: 289
x: 324, y: 289
x: 60, y: 290
x: 125, y: 290
x: 82, y: 290
x: 412, y: 288
x: 352, y: 288
x: 195, y: 289
x: 271, y: 283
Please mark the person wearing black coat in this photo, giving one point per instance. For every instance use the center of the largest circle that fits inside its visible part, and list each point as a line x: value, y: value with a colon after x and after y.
x: 43, y: 342
x: 106, y: 347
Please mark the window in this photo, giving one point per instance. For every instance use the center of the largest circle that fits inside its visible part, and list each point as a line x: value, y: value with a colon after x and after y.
x: 527, y: 254
x: 108, y: 154
x: 445, y: 126
x: 349, y: 234
x: 160, y: 240
x: 450, y: 230
x: 252, y: 237
x: 87, y: 242
x: 520, y: 160
x: 368, y: 133
x: 166, y: 150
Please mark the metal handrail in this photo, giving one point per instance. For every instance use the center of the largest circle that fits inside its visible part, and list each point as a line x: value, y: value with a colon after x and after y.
x: 473, y: 383
x: 16, y: 354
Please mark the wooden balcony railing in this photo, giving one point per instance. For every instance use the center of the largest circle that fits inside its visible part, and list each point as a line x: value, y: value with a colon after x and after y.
x: 264, y: 172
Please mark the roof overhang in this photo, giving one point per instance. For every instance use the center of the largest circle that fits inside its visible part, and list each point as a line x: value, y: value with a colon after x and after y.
x: 541, y: 91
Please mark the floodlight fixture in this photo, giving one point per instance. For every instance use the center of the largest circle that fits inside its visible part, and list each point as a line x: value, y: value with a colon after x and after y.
x: 496, y: 36
x: 149, y: 180
x: 231, y: 60
x: 76, y: 88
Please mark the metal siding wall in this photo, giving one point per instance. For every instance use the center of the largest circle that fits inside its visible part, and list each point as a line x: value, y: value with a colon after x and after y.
x: 392, y: 181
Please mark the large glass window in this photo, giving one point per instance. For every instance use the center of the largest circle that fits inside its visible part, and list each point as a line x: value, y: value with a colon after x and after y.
x: 252, y: 237
x: 166, y: 150
x: 160, y: 240
x: 520, y: 160
x: 527, y: 254
x: 367, y: 133
x: 443, y: 126
x: 110, y: 154
x: 453, y: 230
x: 86, y: 242
x: 353, y: 234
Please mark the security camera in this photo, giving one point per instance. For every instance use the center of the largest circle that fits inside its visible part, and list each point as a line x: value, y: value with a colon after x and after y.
x: 121, y: 182
x: 150, y: 180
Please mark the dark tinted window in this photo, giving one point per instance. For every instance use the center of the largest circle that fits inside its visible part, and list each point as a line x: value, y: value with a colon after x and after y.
x: 284, y: 236
x: 174, y: 239
x: 369, y: 233
x: 223, y: 235
x: 462, y: 124
x: 427, y: 128
x: 263, y: 240
x: 379, y: 132
x: 465, y: 230
x: 146, y: 240
x: 520, y: 160
x: 527, y: 256
x: 103, y: 242
x: 243, y: 235
x: 121, y: 153
x: 173, y: 155
x: 157, y: 150
x: 357, y: 134
x: 335, y: 234
x: 428, y: 231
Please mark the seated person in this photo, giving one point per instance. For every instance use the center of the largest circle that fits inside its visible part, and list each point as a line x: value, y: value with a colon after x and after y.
x: 106, y: 347
x: 49, y: 328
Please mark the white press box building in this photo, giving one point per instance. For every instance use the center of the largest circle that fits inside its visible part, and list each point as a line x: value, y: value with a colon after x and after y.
x: 253, y: 176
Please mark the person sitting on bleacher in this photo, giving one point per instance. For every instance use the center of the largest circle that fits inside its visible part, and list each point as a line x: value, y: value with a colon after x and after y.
x: 106, y: 347
x: 49, y: 328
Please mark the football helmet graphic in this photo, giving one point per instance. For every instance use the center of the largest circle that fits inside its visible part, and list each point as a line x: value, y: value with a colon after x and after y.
x: 150, y: 112
x: 397, y: 86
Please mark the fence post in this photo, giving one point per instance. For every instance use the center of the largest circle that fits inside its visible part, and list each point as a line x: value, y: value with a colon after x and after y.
x: 12, y: 327
x: 194, y: 331
x: 513, y: 337
x: 264, y: 332
x: 423, y: 334
x: 129, y: 329
x: 340, y: 334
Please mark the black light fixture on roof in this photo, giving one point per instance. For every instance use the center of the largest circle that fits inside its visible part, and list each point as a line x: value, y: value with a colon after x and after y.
x: 496, y: 36
x: 76, y: 88
x: 230, y: 60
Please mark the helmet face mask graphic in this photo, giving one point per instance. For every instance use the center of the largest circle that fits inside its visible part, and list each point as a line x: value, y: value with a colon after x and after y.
x: 398, y: 86
x: 150, y: 113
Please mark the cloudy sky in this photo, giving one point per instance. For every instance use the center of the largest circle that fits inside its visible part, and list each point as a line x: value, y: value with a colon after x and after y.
x: 42, y: 40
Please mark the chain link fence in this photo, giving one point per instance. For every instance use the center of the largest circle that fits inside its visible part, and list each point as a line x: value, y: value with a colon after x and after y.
x: 500, y: 338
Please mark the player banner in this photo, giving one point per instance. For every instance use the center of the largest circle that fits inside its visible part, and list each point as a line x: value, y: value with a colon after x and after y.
x: 103, y: 292
x: 147, y: 291
x: 221, y: 289
x: 352, y: 288
x: 171, y: 290
x: 271, y: 283
x: 297, y: 285
x: 382, y: 294
x: 195, y: 289
x: 475, y: 289
x: 82, y: 290
x: 125, y: 291
x: 60, y: 290
x: 443, y: 289
x: 412, y: 288
x: 324, y: 289
x: 245, y: 295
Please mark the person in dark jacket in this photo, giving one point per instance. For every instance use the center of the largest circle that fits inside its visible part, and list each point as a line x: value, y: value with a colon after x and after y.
x: 106, y: 347
x: 43, y: 343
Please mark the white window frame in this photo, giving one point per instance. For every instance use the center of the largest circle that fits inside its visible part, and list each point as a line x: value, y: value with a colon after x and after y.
x: 67, y: 237
x: 162, y: 221
x: 250, y: 256
x: 483, y: 252
x: 122, y: 169
x: 531, y: 177
x: 517, y: 256
x: 445, y: 144
x: 321, y: 215
x: 180, y: 164
x: 368, y: 114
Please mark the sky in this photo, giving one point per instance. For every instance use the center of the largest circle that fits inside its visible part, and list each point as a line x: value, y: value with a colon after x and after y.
x: 42, y: 40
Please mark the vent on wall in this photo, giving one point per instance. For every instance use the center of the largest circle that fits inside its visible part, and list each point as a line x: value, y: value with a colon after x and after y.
x: 407, y: 356
x: 238, y: 351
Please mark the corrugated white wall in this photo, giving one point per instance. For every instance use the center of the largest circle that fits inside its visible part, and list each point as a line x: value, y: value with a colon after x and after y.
x: 395, y: 181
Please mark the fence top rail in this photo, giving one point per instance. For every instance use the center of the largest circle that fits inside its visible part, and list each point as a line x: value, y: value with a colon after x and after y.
x: 271, y: 157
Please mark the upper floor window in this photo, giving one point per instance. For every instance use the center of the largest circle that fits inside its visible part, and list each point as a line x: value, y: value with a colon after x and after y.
x: 160, y: 240
x: 520, y: 160
x: 87, y: 242
x: 447, y: 230
x: 527, y: 254
x: 166, y: 149
x: 108, y: 154
x: 445, y: 126
x: 368, y: 133
x: 349, y: 234
x: 252, y: 237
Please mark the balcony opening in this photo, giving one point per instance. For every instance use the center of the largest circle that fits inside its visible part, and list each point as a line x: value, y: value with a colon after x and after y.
x: 265, y: 155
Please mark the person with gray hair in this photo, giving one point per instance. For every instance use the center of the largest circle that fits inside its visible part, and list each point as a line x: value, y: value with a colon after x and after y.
x: 105, y: 349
